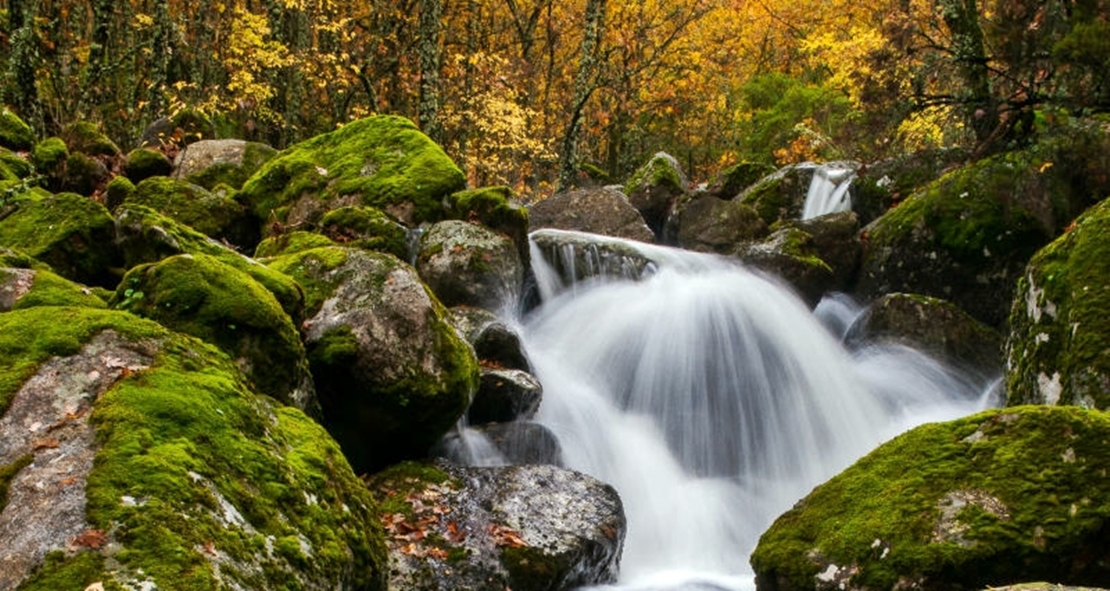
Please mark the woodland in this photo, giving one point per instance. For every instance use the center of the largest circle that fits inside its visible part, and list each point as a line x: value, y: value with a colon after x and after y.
x: 532, y: 93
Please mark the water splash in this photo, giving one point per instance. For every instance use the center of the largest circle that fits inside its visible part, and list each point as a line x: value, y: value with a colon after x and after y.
x: 828, y: 191
x: 712, y: 399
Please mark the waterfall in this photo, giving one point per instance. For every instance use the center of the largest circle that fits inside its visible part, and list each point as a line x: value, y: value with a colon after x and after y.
x: 828, y: 191
x: 713, y: 399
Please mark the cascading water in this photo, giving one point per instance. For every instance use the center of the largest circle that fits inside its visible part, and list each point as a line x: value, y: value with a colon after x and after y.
x: 828, y: 191
x: 713, y: 399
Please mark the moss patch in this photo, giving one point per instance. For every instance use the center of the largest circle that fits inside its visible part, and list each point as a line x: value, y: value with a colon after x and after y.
x: 290, y: 243
x: 49, y: 289
x: 144, y: 163
x: 1030, y: 481
x: 367, y: 228
x: 208, y: 213
x: 383, y: 162
x: 1059, y: 346
x: 9, y: 472
x: 147, y: 236
x: 313, y: 269
x: 15, y: 134
x: 203, y: 297
x: 71, y: 233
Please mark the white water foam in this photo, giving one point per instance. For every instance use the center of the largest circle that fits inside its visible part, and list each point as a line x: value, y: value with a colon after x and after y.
x: 713, y: 399
x: 828, y: 191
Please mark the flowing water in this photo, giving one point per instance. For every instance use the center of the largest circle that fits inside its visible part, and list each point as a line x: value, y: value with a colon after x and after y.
x: 713, y: 399
x: 828, y: 191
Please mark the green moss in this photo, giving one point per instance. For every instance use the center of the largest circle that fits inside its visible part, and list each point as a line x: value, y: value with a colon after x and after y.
x: 86, y: 138
x: 118, y: 190
x: 200, y: 296
x: 235, y: 174
x: 740, y: 176
x: 190, y: 459
x: 48, y: 289
x: 798, y: 244
x: 769, y: 199
x: 290, y: 243
x: 367, y: 228
x: 313, y: 269
x: 147, y: 236
x: 1043, y: 466
x: 68, y: 571
x: 15, y: 134
x: 144, y: 163
x: 397, y: 483
x: 71, y: 233
x: 83, y: 174
x: 660, y: 171
x: 1060, y: 327
x: 384, y: 161
x: 189, y: 204
x: 16, y: 166
x: 532, y: 569
x: 49, y: 155
x: 8, y: 473
x: 336, y: 348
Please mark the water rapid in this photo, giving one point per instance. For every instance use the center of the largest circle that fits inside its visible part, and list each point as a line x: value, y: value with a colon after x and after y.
x: 828, y: 190
x: 713, y: 399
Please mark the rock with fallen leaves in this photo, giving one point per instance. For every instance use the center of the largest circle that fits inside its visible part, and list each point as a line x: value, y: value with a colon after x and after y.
x: 524, y: 528
x: 134, y: 457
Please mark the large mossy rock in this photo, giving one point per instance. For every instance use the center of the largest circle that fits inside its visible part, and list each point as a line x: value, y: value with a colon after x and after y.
x: 15, y: 134
x: 28, y: 288
x: 73, y: 234
x: 143, y: 163
x: 200, y: 296
x: 1059, y: 342
x: 495, y: 208
x: 654, y: 188
x: 468, y: 264
x: 367, y: 228
x: 882, y: 185
x: 392, y: 374
x: 145, y: 236
x: 215, y: 214
x: 527, y: 528
x: 781, y: 195
x: 230, y: 162
x: 963, y: 238
x: 134, y: 457
x: 598, y: 211
x: 382, y: 161
x: 1001, y: 497
x: 932, y: 325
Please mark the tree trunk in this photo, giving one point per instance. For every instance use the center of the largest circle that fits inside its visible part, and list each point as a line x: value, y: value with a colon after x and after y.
x: 584, y: 86
x: 968, y: 50
x: 21, y: 91
x: 431, y: 15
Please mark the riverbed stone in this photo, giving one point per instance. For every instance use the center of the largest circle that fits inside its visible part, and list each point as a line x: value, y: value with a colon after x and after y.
x: 1007, y: 495
x: 605, y: 211
x: 468, y: 264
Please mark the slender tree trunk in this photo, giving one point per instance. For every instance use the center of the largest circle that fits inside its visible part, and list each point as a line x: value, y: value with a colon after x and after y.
x: 969, y: 51
x: 21, y: 91
x: 431, y: 15
x: 160, y: 63
x: 584, y: 86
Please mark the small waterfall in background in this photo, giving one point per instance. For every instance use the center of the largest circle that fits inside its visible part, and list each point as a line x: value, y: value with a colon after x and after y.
x: 828, y: 191
x: 713, y: 399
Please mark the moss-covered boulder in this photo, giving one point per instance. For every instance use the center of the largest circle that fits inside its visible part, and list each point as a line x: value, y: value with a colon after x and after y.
x: 145, y: 236
x: 1005, y: 496
x: 73, y: 234
x: 137, y: 457
x: 528, y: 528
x: 791, y: 255
x: 495, y: 208
x: 15, y: 166
x: 383, y: 162
x: 143, y: 163
x: 230, y: 162
x: 200, y: 296
x: 882, y: 185
x: 215, y: 214
x: 781, y: 195
x: 367, y: 228
x: 290, y: 242
x: 49, y: 157
x: 710, y: 224
x: 654, y: 188
x: 962, y: 238
x: 598, y: 211
x: 86, y: 138
x: 932, y: 325
x: 1058, y: 350
x: 733, y: 180
x: 15, y: 134
x: 392, y: 374
x: 468, y: 264
x: 28, y: 288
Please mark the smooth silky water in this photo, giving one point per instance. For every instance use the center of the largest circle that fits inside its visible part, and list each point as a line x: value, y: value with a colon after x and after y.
x: 713, y: 399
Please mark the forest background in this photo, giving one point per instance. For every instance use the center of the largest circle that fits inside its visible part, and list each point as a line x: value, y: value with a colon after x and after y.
x: 531, y: 93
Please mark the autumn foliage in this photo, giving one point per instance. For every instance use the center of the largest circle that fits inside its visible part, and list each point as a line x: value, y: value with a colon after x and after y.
x: 712, y: 82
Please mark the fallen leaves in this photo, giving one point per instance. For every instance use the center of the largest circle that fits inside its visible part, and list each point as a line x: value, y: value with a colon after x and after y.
x: 90, y: 538
x: 421, y: 533
x: 504, y: 536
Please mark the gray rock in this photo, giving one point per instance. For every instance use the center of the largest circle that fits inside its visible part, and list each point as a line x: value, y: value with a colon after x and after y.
x: 711, y: 224
x: 505, y: 395
x: 598, y: 211
x: 467, y: 264
x: 529, y: 528
x: 231, y: 161
x: 655, y: 188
